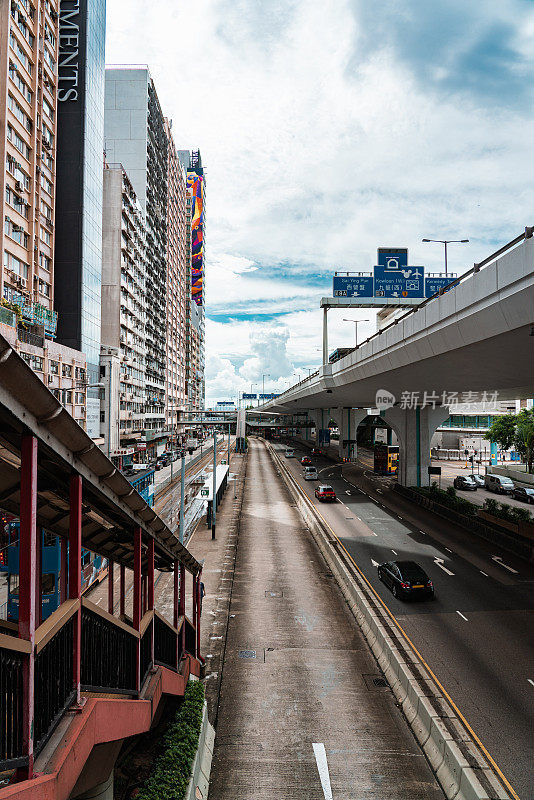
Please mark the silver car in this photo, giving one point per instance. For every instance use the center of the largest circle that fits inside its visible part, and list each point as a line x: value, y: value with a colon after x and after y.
x: 311, y: 474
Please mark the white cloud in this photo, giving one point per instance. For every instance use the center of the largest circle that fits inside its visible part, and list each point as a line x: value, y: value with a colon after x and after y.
x: 319, y: 148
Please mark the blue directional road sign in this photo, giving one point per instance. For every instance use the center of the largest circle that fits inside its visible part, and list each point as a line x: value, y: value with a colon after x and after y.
x: 392, y: 257
x: 353, y: 286
x: 268, y: 396
x: 399, y: 282
x: 433, y: 285
x: 250, y: 396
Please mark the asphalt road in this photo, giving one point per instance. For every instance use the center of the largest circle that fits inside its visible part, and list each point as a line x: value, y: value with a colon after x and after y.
x: 449, y: 470
x: 477, y: 635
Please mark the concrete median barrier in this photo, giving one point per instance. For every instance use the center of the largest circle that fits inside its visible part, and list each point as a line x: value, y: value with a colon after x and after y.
x: 457, y: 759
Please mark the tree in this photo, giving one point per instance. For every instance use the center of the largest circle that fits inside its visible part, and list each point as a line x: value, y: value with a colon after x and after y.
x: 502, y: 431
x: 524, y: 436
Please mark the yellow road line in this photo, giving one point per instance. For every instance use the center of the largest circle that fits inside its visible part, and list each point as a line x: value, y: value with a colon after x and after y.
x: 401, y: 629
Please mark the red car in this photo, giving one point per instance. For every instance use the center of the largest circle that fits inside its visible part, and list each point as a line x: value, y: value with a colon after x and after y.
x: 305, y: 461
x: 315, y: 451
x: 324, y: 493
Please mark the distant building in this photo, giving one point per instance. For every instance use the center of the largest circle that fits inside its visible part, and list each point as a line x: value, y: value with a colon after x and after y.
x: 122, y: 358
x: 135, y: 137
x: 177, y: 290
x: 78, y: 242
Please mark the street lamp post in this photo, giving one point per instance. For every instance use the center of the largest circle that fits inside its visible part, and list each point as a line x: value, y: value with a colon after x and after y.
x: 445, y: 242
x: 266, y: 375
x: 356, y: 322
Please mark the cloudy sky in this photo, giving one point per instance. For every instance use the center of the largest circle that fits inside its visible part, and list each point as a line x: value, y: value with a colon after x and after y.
x: 329, y: 128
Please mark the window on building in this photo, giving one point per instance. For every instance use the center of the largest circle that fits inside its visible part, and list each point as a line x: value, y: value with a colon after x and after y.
x: 54, y: 368
x: 66, y: 371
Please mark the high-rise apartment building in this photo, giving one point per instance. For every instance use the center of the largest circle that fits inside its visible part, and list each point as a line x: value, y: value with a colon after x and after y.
x: 29, y: 35
x: 176, y: 295
x: 28, y: 92
x: 78, y: 242
x: 122, y: 360
x: 195, y: 318
x: 135, y: 137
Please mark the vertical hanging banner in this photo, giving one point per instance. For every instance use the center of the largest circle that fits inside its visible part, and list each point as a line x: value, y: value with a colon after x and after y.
x: 196, y: 185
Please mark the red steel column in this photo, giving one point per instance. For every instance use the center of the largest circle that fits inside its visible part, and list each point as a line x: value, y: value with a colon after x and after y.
x: 110, y: 586
x: 64, y: 570
x: 176, y: 610
x: 27, y: 588
x: 150, y: 590
x: 137, y: 600
x: 75, y: 572
x: 197, y: 620
x: 181, y: 610
x: 122, y: 590
x: 195, y: 607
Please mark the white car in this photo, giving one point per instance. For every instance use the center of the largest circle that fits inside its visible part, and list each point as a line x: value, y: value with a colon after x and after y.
x: 311, y: 474
x: 290, y: 454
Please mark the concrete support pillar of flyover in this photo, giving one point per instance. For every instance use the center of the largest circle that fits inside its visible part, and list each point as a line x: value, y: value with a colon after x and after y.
x: 315, y: 417
x: 347, y: 420
x: 414, y: 428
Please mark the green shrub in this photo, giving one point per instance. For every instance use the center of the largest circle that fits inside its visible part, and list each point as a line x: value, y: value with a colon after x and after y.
x: 172, y: 769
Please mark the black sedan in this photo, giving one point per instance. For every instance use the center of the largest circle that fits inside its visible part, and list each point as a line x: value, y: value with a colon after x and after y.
x: 406, y: 579
x: 465, y: 482
x: 524, y: 494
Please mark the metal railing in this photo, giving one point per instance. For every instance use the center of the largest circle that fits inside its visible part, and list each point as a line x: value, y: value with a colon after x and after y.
x: 11, y: 698
x: 190, y: 637
x: 53, y: 682
x: 146, y: 651
x: 167, y: 650
x: 109, y: 655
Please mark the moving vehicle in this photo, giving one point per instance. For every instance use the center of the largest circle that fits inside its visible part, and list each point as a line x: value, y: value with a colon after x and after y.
x: 290, y: 454
x: 305, y: 461
x: 479, y: 480
x: 311, y: 474
x: 466, y: 482
x: 386, y: 459
x: 144, y: 483
x: 191, y: 443
x: 499, y: 483
x: 325, y: 493
x: 526, y: 494
x: 406, y: 579
x: 315, y: 451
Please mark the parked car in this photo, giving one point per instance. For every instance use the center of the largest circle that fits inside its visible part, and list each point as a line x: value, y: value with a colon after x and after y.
x: 524, y: 493
x: 290, y: 454
x: 406, y: 579
x: 315, y: 451
x: 465, y: 482
x: 311, y: 474
x: 499, y: 483
x: 305, y: 461
x: 479, y: 480
x: 325, y: 493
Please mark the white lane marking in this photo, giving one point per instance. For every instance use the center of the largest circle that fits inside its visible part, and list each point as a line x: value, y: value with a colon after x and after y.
x: 462, y: 616
x: 484, y: 573
x: 449, y: 549
x: 499, y: 560
x: 322, y: 768
x: 424, y: 534
x: 374, y: 563
x: 399, y: 516
x: 439, y: 563
x: 530, y: 681
x: 347, y: 491
x: 394, y: 551
x: 379, y: 491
